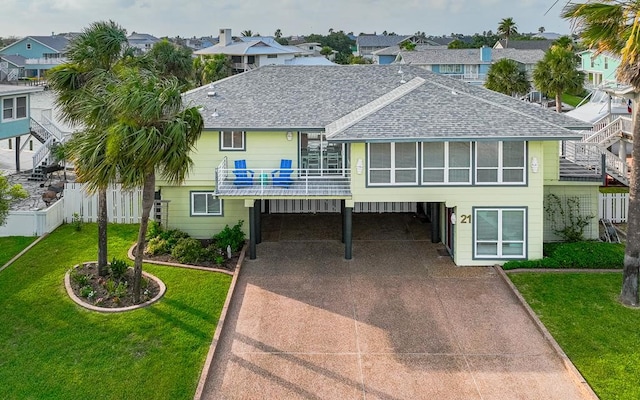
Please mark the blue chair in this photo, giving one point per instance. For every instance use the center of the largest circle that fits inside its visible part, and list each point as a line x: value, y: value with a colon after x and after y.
x: 283, y: 177
x: 244, y: 176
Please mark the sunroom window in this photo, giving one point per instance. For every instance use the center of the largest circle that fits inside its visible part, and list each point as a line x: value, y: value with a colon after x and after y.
x: 393, y: 164
x: 500, y: 162
x: 446, y: 163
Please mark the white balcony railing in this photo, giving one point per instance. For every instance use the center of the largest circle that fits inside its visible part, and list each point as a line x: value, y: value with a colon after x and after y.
x: 45, y: 61
x: 302, y: 182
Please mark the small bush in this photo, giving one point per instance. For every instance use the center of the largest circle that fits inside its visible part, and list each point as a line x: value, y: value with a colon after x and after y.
x: 86, y: 291
x: 233, y: 237
x: 154, y: 230
x: 76, y: 222
x: 188, y: 251
x: 157, y: 246
x: 110, y: 285
x: 80, y: 279
x: 587, y: 255
x: 215, y: 254
x: 118, y: 268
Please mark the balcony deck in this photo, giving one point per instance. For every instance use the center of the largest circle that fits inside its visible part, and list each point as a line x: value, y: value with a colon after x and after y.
x: 304, y: 183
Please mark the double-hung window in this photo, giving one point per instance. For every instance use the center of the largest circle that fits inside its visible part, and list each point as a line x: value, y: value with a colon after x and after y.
x: 14, y: 108
x: 393, y: 164
x: 232, y: 140
x: 446, y: 163
x: 500, y: 162
x: 204, y: 203
x: 499, y: 233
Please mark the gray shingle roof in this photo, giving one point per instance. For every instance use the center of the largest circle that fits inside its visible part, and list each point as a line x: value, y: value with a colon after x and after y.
x: 312, y: 97
x: 15, y: 59
x: 543, y: 45
x: 56, y: 42
x: 380, y: 40
x: 394, y: 50
x: 430, y: 56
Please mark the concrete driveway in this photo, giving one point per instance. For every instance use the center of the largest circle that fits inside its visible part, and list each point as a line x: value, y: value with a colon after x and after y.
x: 399, y: 321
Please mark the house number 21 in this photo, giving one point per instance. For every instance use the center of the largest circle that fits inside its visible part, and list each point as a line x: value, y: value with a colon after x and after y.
x: 465, y: 219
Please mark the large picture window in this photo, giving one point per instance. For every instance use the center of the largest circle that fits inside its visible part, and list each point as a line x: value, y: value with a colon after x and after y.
x: 500, y: 233
x: 393, y: 164
x: 204, y: 203
x: 14, y: 108
x: 232, y: 140
x: 446, y: 163
x: 451, y: 68
x: 500, y: 162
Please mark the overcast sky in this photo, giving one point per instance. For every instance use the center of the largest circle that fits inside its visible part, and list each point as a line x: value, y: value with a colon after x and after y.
x: 189, y: 18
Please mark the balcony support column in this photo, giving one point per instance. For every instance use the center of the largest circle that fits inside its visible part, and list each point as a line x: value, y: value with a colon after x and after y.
x: 258, y: 210
x: 342, y: 213
x: 18, y: 154
x: 252, y: 229
x: 348, y: 230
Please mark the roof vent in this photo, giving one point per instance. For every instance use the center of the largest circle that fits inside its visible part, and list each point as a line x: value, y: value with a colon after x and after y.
x: 211, y: 94
x: 215, y: 113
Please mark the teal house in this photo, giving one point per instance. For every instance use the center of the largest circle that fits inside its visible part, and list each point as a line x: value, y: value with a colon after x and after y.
x: 33, y: 55
x: 15, y: 119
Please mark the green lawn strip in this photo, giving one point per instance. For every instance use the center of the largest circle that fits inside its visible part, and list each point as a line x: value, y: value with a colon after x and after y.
x: 12, y: 245
x: 52, y: 348
x: 600, y: 336
x: 571, y: 99
x: 614, y: 189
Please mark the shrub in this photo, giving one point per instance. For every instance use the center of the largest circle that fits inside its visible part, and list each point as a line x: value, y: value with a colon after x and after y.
x: 188, y: 251
x: 233, y: 237
x: 157, y: 245
x: 214, y: 253
x: 118, y: 268
x: 587, y: 254
x: 110, y: 286
x: 80, y: 279
x: 154, y: 230
x: 76, y: 222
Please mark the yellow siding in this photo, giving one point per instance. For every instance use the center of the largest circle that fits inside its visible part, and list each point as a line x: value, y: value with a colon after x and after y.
x: 201, y: 227
x: 551, y: 161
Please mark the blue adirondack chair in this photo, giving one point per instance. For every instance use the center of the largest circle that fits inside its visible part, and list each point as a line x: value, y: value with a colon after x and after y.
x: 282, y: 176
x: 244, y: 176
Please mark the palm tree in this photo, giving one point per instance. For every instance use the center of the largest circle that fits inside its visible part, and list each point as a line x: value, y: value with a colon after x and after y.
x: 246, y: 33
x: 278, y: 33
x: 507, y: 28
x: 153, y: 132
x: 614, y: 26
x: 557, y: 73
x: 169, y: 59
x: 504, y: 76
x: 80, y: 85
x: 211, y: 68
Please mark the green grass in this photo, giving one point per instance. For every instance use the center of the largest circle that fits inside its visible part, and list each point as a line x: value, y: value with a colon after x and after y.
x: 571, y: 99
x: 52, y: 348
x: 599, y: 335
x: 614, y: 189
x: 12, y: 245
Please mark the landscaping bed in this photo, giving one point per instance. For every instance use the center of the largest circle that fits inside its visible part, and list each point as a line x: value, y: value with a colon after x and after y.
x: 587, y: 254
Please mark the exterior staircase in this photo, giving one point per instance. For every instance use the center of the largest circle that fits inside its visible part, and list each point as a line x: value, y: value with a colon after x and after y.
x: 8, y: 74
x: 47, y: 133
x: 591, y: 152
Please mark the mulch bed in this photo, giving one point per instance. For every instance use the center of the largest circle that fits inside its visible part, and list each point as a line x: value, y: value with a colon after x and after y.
x: 101, y: 296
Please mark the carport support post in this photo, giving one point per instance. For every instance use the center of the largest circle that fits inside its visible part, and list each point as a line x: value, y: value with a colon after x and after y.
x: 258, y: 210
x: 348, y: 230
x: 342, y: 208
x: 252, y: 228
x: 18, y: 154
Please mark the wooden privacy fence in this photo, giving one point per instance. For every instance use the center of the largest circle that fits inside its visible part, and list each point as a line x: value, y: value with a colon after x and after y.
x: 614, y: 206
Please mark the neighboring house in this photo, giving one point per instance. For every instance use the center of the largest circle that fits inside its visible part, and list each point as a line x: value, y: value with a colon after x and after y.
x: 313, y: 49
x: 15, y: 118
x: 196, y: 44
x: 362, y: 138
x: 388, y: 55
x: 367, y: 44
x: 321, y: 60
x: 469, y: 65
x: 248, y: 53
x: 143, y: 42
x: 599, y: 69
x: 11, y: 68
x: 539, y: 44
x: 36, y: 54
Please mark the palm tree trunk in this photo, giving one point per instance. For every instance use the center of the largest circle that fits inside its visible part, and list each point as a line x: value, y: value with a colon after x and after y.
x: 148, y: 191
x: 630, y: 273
x: 558, y: 103
x: 102, y: 232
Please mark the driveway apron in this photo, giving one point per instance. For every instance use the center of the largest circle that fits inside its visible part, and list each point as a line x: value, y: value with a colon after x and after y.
x: 399, y: 321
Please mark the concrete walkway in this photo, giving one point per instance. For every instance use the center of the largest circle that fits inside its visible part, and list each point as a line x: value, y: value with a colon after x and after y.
x: 399, y: 321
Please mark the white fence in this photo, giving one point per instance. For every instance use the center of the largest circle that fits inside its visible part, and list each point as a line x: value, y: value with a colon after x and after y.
x: 123, y: 207
x: 613, y: 206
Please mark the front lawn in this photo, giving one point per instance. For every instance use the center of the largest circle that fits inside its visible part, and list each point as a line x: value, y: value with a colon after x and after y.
x: 51, y: 348
x: 599, y: 335
x: 12, y: 245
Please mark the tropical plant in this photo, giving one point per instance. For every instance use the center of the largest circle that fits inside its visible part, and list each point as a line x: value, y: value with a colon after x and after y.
x: 9, y: 194
x: 278, y: 33
x: 507, y: 28
x: 557, y: 73
x: 506, y: 77
x: 211, y: 68
x: 246, y: 33
x: 614, y: 26
x: 169, y: 59
x: 80, y: 85
x: 407, y: 45
x: 153, y: 132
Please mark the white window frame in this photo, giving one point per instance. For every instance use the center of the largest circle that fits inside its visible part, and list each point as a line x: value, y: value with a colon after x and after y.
x: 499, y: 241
x: 392, y: 169
x: 208, y: 196
x: 14, y: 108
x: 451, y: 68
x: 234, y: 146
x: 501, y: 168
x: 446, y: 168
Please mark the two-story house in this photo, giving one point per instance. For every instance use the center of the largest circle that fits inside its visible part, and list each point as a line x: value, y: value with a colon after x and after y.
x: 142, y: 42
x: 247, y: 53
x: 15, y: 117
x: 33, y: 55
x: 365, y: 139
